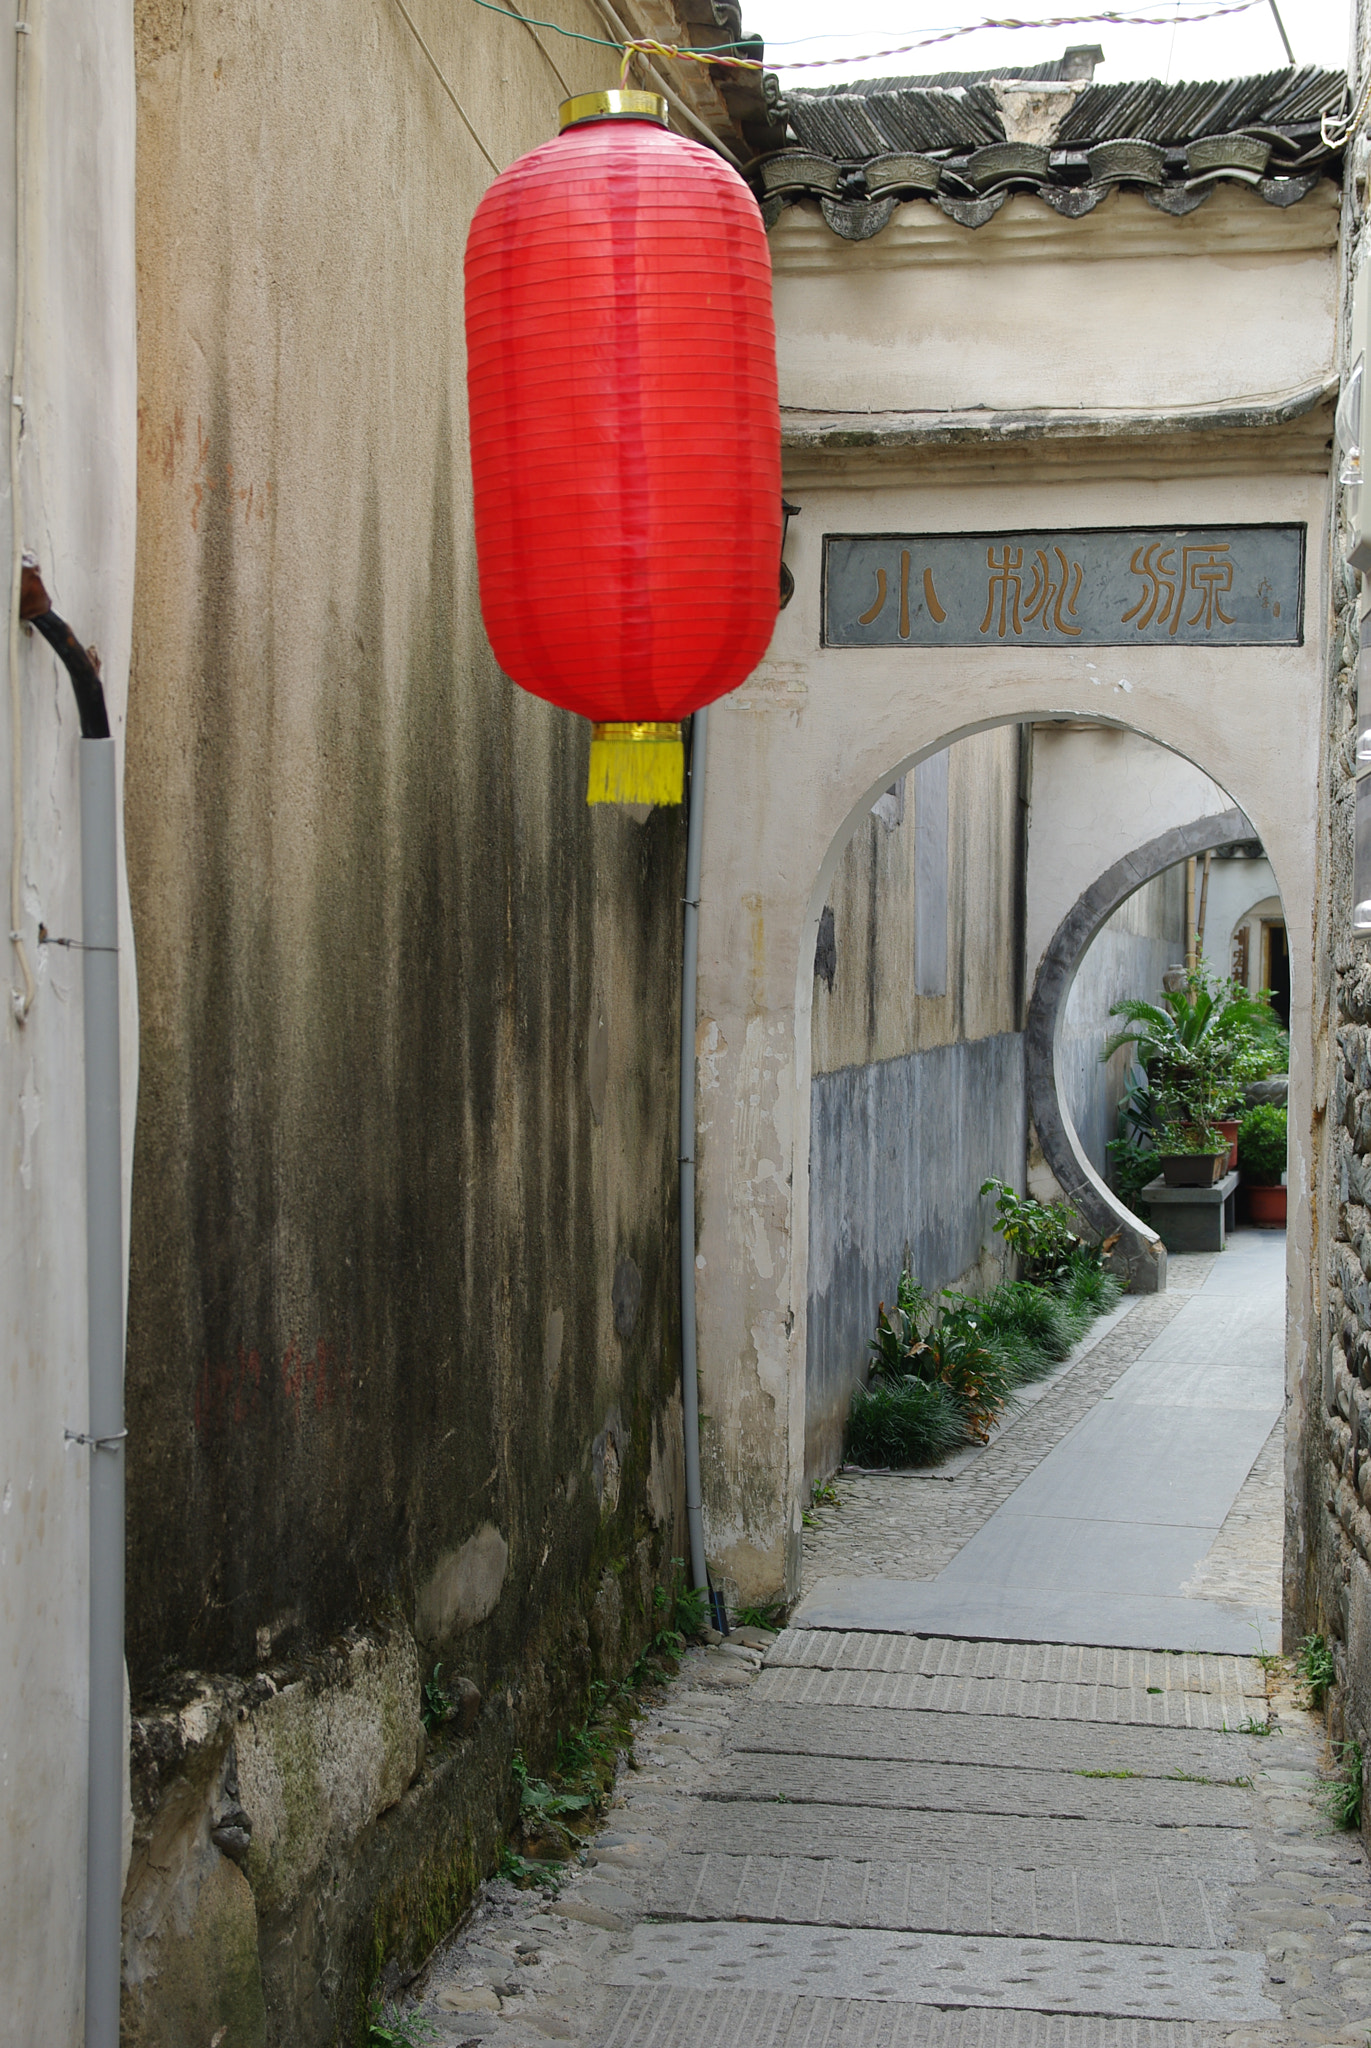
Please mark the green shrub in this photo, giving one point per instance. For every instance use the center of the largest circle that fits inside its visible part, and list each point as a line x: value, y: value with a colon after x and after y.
x: 903, y: 1422
x: 1261, y: 1144
x: 1044, y: 1234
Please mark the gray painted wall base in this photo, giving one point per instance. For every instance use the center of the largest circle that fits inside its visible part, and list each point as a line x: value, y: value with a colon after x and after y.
x: 898, y: 1151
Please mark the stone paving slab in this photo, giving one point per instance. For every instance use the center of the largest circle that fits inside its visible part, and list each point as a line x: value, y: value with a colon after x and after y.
x: 900, y: 1526
x: 773, y: 1726
x: 983, y: 1789
x: 1167, y: 1900
x: 988, y: 1604
x: 1111, y: 1980
x: 1047, y: 1699
x: 740, y: 1827
x: 754, y: 2019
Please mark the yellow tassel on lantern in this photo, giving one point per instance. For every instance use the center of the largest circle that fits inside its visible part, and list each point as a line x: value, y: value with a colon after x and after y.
x: 636, y: 764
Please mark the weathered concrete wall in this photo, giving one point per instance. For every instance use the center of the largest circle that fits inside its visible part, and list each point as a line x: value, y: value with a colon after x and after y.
x: 1129, y: 957
x: 918, y: 1091
x: 403, y: 1348
x: 926, y: 906
x: 78, y: 399
x: 898, y: 1151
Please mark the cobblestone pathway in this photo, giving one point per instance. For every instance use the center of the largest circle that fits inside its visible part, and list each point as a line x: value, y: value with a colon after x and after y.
x: 857, y: 1839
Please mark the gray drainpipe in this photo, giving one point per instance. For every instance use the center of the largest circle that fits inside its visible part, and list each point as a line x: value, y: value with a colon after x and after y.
x: 104, y: 1433
x: 690, y: 1384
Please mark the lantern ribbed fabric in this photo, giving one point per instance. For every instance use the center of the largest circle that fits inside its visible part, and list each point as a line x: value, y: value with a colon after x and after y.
x: 625, y: 435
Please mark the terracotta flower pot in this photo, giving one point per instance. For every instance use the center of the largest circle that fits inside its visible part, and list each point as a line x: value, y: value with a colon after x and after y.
x: 1266, y: 1207
x: 1193, y: 1169
x: 1229, y: 1126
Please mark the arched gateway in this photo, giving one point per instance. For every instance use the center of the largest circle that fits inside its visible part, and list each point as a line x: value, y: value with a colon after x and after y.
x: 1047, y: 469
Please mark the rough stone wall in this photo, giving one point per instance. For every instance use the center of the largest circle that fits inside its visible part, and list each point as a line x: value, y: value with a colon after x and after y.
x: 918, y: 1087
x: 1328, y: 1473
x: 403, y: 1355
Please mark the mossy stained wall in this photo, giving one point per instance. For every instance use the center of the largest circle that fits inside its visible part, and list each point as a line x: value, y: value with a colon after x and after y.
x: 403, y: 1300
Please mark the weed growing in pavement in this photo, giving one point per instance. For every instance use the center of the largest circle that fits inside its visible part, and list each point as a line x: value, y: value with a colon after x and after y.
x: 436, y: 1704
x: 555, y: 1812
x: 770, y: 1616
x: 387, y: 2028
x: 1106, y: 1774
x: 1154, y: 1688
x: 1340, y: 1797
x: 522, y: 1871
x: 824, y: 1494
x: 1315, y: 1669
x: 1251, y: 1727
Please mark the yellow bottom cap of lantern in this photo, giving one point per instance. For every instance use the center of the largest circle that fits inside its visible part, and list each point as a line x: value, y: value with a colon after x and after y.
x: 636, y: 764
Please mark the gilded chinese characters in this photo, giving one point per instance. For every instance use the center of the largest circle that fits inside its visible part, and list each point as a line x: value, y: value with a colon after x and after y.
x: 1095, y: 587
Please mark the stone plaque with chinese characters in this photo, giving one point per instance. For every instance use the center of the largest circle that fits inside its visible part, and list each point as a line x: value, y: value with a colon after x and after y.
x: 1137, y: 586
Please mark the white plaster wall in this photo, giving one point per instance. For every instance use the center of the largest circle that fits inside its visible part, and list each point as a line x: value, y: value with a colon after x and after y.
x: 1236, y: 889
x: 1097, y: 794
x: 1115, y: 310
x: 78, y: 510
x: 796, y: 758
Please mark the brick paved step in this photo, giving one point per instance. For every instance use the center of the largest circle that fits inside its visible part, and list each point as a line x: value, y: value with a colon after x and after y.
x: 1059, y: 1663
x: 969, y: 1738
x: 742, y: 1827
x: 984, y: 1789
x: 1166, y: 1900
x: 1098, y: 1978
x: 1043, y: 1700
x: 755, y: 2019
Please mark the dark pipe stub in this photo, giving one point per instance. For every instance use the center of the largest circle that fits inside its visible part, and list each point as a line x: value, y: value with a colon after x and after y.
x: 35, y: 609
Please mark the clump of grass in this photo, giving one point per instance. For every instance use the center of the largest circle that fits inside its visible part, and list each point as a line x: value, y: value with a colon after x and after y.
x: 1315, y: 1669
x: 1340, y: 1796
x: 387, y: 2027
x: 900, y: 1422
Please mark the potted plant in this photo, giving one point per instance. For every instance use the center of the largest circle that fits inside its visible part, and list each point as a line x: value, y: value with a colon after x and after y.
x: 1192, y: 1155
x: 1198, y: 1047
x: 1261, y: 1155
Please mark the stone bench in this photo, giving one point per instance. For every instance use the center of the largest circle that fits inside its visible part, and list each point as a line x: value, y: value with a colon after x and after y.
x: 1191, y: 1219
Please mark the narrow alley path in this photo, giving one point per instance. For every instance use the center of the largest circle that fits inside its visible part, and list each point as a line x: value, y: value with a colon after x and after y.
x: 1086, y: 1818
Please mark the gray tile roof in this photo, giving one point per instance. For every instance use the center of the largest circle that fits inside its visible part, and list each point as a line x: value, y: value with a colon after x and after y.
x: 860, y: 149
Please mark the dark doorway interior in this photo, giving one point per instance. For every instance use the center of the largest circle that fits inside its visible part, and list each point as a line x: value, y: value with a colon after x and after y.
x: 1277, y: 975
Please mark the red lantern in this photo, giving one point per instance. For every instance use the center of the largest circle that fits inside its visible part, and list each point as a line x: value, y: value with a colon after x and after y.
x: 625, y: 432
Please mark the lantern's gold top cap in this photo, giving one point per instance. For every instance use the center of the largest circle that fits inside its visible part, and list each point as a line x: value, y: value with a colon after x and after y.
x: 612, y: 106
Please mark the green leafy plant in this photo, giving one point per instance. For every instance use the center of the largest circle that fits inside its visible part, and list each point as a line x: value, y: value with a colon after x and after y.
x: 1186, y: 1140
x: 770, y: 1616
x: 1199, y: 1045
x: 1262, y: 1144
x: 943, y: 1372
x: 1315, y: 1669
x: 436, y: 1704
x: 824, y: 1494
x: 521, y: 1870
x: 387, y: 2027
x: 1044, y: 1234
x: 1340, y: 1796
